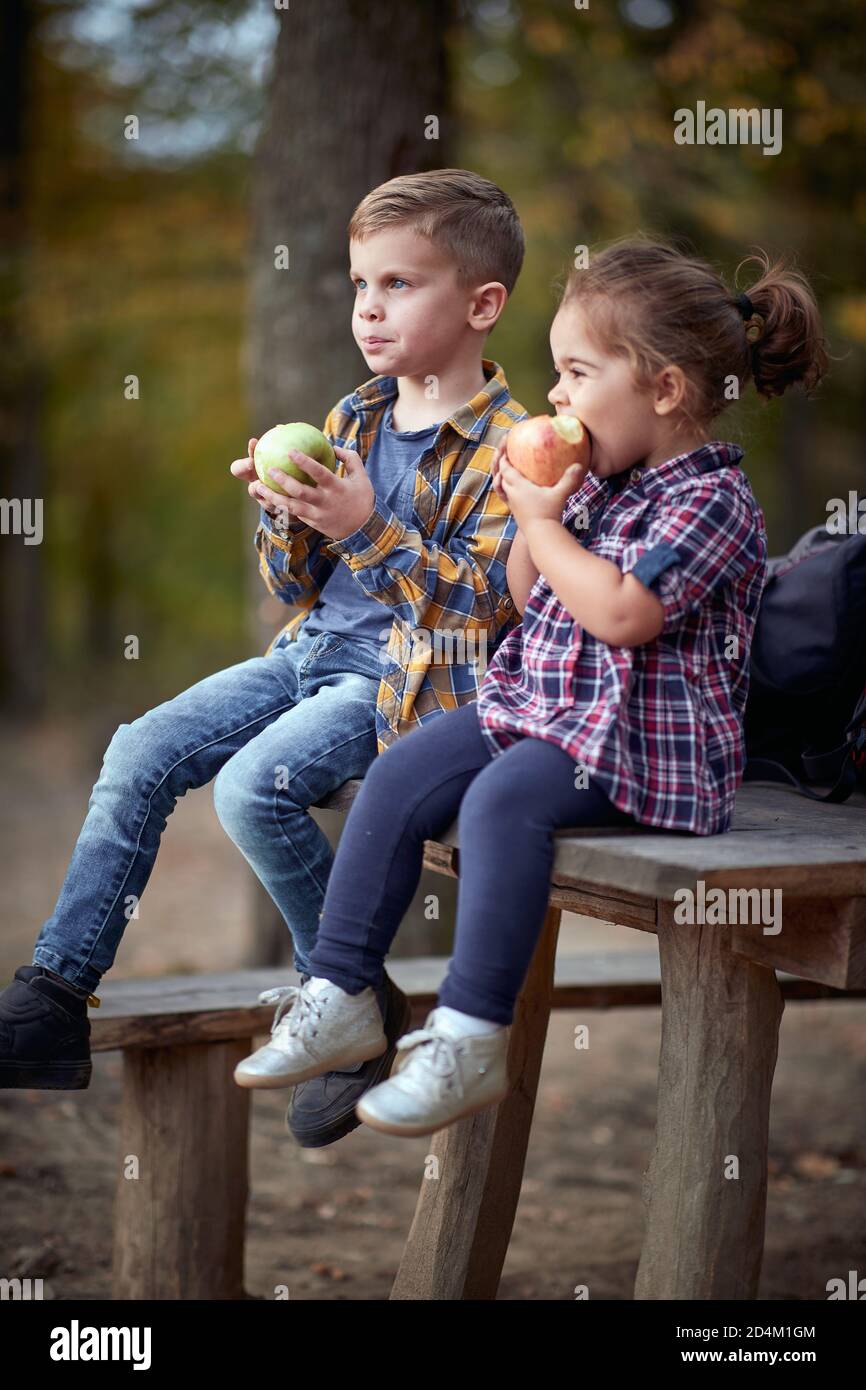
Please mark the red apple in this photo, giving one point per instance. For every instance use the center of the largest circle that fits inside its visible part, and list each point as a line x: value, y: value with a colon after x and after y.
x: 543, y: 447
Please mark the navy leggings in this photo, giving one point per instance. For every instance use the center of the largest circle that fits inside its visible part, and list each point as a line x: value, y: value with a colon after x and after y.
x: 509, y: 806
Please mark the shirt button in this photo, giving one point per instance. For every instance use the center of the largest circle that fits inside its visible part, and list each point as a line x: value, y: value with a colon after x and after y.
x: 635, y: 475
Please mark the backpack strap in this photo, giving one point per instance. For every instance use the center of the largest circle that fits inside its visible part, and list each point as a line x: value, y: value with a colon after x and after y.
x: 824, y: 767
x: 843, y: 765
x: 764, y: 770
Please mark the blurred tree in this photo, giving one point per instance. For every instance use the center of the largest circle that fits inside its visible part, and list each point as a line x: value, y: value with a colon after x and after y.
x: 135, y: 269
x: 316, y: 158
x: 22, y: 645
x: 574, y: 111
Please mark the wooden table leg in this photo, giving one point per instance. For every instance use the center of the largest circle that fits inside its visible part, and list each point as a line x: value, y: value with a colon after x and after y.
x: 706, y: 1185
x: 179, y: 1225
x: 462, y: 1225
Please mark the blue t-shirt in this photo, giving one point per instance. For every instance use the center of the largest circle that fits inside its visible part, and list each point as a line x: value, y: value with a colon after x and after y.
x: 343, y: 607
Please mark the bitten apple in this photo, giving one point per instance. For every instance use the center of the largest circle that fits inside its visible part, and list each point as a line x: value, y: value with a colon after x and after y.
x: 543, y: 447
x: 272, y: 451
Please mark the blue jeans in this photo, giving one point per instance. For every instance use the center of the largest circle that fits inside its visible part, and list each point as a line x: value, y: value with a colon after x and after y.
x: 277, y: 732
x: 509, y: 806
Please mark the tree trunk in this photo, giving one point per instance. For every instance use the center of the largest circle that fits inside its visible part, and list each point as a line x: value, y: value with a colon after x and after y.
x: 353, y: 85
x: 22, y: 646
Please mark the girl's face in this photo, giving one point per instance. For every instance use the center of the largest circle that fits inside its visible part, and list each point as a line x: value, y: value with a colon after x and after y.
x: 600, y: 389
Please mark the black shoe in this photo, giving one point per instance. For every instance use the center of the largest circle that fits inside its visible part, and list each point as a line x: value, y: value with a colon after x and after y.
x: 44, y: 1033
x: 322, y: 1109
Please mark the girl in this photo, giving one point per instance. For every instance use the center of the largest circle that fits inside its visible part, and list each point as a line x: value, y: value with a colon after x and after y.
x: 618, y: 701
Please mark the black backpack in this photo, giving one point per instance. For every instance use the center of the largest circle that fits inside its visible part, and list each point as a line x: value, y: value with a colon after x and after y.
x: 806, y: 709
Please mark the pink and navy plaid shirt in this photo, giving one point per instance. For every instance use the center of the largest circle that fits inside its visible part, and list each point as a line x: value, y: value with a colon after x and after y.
x: 659, y: 727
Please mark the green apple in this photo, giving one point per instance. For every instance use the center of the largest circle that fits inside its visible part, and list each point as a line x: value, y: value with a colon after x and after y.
x: 272, y: 451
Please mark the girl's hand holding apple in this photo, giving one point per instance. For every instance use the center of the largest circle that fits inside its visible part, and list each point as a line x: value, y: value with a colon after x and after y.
x: 543, y: 461
x: 529, y: 502
x: 543, y: 446
x: 495, y: 469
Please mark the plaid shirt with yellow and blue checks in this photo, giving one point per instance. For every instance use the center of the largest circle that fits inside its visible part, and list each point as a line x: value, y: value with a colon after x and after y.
x: 442, y: 581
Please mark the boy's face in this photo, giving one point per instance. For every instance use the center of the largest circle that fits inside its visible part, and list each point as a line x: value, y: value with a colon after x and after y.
x: 600, y: 389
x: 409, y: 313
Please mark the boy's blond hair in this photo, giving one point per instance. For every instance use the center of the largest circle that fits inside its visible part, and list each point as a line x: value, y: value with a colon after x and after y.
x: 466, y: 216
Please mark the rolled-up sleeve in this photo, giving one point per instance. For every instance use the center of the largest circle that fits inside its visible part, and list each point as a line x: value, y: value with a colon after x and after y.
x: 705, y: 535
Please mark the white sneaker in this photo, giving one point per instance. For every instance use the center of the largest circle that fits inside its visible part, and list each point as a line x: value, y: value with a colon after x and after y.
x: 323, y: 1031
x: 438, y: 1077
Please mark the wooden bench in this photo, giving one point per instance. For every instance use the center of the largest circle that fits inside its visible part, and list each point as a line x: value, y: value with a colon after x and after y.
x: 179, y: 1227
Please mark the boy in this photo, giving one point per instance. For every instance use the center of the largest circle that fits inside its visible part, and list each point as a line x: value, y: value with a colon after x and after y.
x: 409, y: 534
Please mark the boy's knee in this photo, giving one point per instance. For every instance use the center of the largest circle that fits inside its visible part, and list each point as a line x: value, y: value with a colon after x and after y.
x: 248, y: 797
x: 119, y: 745
x: 147, y: 740
x: 231, y: 797
x: 130, y: 752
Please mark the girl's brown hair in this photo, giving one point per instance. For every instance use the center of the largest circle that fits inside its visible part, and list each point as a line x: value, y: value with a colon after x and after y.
x: 657, y: 305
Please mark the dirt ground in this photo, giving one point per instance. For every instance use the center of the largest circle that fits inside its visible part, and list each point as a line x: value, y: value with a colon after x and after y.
x: 330, y: 1223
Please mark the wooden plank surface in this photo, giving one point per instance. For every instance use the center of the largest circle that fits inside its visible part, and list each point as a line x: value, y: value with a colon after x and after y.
x: 179, y: 1009
x: 822, y: 938
x: 778, y: 839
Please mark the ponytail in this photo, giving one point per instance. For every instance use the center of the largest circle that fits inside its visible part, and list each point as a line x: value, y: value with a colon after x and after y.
x: 786, y: 343
x: 654, y: 303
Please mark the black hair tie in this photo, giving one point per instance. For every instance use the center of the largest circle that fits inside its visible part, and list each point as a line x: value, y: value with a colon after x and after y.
x: 754, y: 322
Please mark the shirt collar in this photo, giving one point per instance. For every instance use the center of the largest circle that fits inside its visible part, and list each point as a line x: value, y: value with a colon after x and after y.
x: 470, y: 419
x: 649, y: 481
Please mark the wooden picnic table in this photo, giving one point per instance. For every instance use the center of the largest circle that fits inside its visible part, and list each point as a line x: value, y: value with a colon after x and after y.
x: 721, y: 1010
x: 722, y: 1003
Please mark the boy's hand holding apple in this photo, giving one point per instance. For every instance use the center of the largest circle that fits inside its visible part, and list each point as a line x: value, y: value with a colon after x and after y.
x: 245, y: 469
x: 334, y: 506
